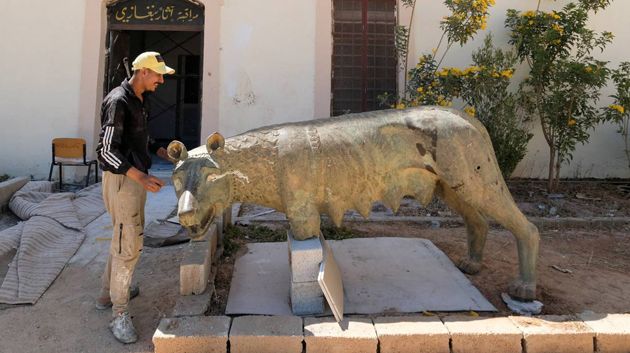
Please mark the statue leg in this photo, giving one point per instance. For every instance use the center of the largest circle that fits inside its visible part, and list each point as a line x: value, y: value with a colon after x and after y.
x: 304, y: 220
x: 503, y: 209
x: 476, y: 227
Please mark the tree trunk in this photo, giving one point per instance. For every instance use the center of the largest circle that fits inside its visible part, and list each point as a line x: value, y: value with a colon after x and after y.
x: 550, y: 177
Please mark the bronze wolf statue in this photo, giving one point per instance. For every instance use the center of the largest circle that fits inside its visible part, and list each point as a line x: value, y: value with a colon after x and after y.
x: 348, y: 162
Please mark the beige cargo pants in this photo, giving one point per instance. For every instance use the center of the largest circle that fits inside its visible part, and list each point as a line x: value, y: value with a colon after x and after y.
x: 124, y: 200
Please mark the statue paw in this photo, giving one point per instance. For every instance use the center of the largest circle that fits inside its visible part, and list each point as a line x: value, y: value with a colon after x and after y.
x: 469, y: 266
x: 523, y: 291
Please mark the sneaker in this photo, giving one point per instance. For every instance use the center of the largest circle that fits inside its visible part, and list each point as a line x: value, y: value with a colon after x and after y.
x: 105, y: 302
x: 122, y: 328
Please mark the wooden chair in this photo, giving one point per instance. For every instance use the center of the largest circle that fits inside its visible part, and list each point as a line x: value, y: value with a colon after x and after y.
x: 71, y: 152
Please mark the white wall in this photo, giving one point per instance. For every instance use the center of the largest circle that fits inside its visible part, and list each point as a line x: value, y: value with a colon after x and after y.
x: 267, y: 63
x: 603, y: 156
x: 40, y: 58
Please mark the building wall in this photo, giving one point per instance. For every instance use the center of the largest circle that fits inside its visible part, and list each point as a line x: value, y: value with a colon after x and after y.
x: 40, y: 85
x: 265, y: 62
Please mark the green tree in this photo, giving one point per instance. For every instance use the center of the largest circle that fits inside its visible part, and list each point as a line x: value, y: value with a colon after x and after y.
x: 619, y: 111
x: 564, y: 82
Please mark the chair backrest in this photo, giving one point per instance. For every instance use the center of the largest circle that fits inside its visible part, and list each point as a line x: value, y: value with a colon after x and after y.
x: 68, y: 147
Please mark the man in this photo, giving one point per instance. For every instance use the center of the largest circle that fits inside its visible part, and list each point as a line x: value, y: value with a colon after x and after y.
x: 123, y: 152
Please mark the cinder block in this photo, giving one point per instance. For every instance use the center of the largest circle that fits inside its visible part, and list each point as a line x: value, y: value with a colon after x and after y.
x: 405, y: 334
x: 198, y: 334
x: 483, y: 334
x: 307, y: 298
x: 195, y: 266
x: 304, y: 257
x: 9, y: 187
x: 612, y: 331
x: 193, y: 305
x: 266, y: 334
x: 352, y: 335
x: 557, y: 334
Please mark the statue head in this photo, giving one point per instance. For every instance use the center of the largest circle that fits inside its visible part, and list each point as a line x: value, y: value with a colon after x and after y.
x: 203, y: 189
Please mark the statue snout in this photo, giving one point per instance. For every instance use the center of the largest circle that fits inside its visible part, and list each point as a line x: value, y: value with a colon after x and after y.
x: 187, y: 206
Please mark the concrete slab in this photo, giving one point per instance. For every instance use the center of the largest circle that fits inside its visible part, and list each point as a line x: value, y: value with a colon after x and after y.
x: 266, y: 334
x: 483, y: 334
x: 379, y: 275
x: 352, y: 335
x: 612, y: 331
x: 199, y: 334
x: 554, y: 333
x: 411, y: 334
x: 193, y: 305
x: 260, y: 281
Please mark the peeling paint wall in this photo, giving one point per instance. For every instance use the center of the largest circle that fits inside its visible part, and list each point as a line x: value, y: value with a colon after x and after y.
x: 267, y: 63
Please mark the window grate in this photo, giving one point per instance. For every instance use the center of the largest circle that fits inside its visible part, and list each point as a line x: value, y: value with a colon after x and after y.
x: 364, y: 56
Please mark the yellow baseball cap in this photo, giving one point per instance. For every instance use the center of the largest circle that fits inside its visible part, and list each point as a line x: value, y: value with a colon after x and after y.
x: 151, y: 60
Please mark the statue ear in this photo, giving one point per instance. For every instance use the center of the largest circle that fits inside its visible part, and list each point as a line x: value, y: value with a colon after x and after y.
x: 177, y: 151
x: 214, y: 142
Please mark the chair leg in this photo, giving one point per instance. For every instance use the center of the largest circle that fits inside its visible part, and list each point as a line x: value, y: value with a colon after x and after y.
x: 60, y: 178
x: 50, y: 172
x: 95, y: 173
x: 87, y: 177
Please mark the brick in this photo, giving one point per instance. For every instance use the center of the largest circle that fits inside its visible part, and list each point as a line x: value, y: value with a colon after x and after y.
x: 193, y: 305
x: 406, y: 334
x: 199, y: 334
x: 304, y: 258
x: 266, y: 334
x: 483, y: 334
x: 352, y: 335
x: 195, y: 266
x: 612, y: 331
x: 307, y: 298
x: 553, y: 333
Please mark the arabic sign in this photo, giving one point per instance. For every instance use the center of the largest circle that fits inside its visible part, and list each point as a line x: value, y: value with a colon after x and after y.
x: 155, y: 12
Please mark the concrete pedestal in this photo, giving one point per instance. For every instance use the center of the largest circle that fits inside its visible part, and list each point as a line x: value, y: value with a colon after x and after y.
x: 305, y: 256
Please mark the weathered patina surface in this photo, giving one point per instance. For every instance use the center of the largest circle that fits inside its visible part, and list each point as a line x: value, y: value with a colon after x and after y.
x: 332, y: 165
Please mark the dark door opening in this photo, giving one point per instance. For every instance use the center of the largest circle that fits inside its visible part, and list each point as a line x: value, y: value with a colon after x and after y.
x: 175, y: 107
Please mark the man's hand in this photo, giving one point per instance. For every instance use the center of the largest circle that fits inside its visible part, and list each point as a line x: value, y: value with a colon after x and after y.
x: 148, y: 182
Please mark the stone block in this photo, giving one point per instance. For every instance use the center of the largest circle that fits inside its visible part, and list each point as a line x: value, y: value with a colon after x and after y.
x: 352, y: 335
x: 198, y: 334
x: 9, y: 187
x: 483, y: 334
x: 195, y: 266
x: 612, y: 331
x: 407, y: 334
x: 553, y: 333
x: 193, y: 305
x: 266, y: 334
x: 304, y: 258
x: 307, y: 298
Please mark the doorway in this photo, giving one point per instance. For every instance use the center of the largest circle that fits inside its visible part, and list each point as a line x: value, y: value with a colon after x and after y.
x: 175, y: 107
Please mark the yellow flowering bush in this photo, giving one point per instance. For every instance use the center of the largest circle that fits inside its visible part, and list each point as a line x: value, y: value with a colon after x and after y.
x: 564, y: 82
x: 619, y: 111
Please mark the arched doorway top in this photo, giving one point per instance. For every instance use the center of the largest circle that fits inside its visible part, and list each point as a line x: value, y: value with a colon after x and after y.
x: 169, y: 15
